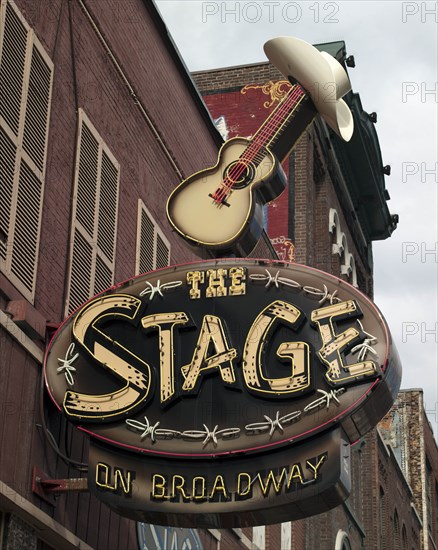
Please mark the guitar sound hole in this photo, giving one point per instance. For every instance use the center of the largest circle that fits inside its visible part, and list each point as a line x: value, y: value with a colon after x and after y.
x: 240, y: 173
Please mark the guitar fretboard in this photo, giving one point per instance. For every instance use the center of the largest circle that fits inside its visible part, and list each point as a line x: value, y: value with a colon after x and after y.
x: 266, y: 136
x: 271, y: 129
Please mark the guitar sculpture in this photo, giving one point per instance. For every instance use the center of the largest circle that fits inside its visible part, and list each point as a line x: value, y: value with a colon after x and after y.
x: 220, y: 208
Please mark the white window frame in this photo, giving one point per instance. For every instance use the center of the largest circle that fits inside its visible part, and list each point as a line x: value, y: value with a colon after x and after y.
x: 21, y: 156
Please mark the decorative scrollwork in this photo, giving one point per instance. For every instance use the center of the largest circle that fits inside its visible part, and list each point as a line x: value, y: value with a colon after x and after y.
x: 207, y: 435
x: 325, y: 399
x: 158, y: 288
x: 276, y: 280
x: 66, y: 364
x: 277, y: 90
x: 364, y: 348
x: 152, y: 430
x: 210, y: 435
x: 273, y: 424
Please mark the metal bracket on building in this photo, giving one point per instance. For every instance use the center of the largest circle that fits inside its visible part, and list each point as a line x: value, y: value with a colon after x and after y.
x: 47, y: 488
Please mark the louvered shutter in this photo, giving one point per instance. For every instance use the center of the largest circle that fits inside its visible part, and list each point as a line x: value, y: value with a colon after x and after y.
x: 8, y: 152
x: 153, y: 249
x: 13, y: 61
x: 94, y: 217
x: 163, y: 252
x: 81, y: 268
x: 26, y: 76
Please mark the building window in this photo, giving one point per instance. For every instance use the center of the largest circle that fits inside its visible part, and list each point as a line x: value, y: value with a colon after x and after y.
x: 153, y: 249
x: 382, y: 518
x: 342, y: 541
x: 93, y: 237
x: 26, y: 77
x: 396, y: 533
x: 404, y: 538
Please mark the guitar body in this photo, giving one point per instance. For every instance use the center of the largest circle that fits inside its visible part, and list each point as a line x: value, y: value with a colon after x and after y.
x: 236, y: 223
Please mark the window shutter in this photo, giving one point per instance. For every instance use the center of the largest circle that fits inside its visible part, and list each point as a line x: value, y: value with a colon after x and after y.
x: 94, y: 217
x: 145, y: 242
x: 106, y: 230
x: 13, y: 61
x: 26, y: 76
x: 153, y: 249
x: 7, y: 169
x: 87, y: 179
x: 23, y: 259
x: 163, y: 252
x: 81, y: 267
x: 37, y: 108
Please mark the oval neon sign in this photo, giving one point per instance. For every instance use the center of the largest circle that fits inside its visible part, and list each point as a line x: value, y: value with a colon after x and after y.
x: 223, y: 357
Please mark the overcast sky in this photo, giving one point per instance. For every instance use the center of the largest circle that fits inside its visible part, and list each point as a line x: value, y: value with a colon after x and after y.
x: 395, y: 47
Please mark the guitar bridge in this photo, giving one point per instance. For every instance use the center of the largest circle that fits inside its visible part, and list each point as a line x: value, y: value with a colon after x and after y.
x: 223, y: 201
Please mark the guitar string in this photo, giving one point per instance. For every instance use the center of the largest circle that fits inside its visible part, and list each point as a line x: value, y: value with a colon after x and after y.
x: 277, y: 116
x: 259, y: 140
x: 262, y: 138
x: 256, y: 144
x: 264, y: 132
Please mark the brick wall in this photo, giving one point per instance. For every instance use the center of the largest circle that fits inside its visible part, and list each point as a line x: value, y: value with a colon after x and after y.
x: 407, y: 429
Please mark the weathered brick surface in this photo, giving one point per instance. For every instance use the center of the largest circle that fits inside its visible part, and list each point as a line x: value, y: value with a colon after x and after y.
x: 408, y: 431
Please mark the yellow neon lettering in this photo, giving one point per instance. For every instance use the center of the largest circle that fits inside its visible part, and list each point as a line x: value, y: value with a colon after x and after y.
x: 159, y: 482
x: 238, y: 285
x: 297, y: 352
x: 211, y: 333
x: 295, y: 473
x: 193, y: 279
x: 316, y: 467
x: 219, y: 486
x: 333, y: 344
x: 102, y: 469
x: 165, y: 323
x: 178, y: 487
x: 137, y: 381
x: 120, y: 480
x: 197, y: 496
x: 240, y: 480
x: 216, y: 283
x: 271, y: 480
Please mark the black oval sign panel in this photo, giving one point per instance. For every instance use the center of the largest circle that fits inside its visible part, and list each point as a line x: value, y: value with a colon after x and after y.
x: 222, y: 359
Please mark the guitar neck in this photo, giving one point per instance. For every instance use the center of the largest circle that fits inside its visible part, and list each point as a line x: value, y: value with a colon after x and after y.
x: 282, y: 129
